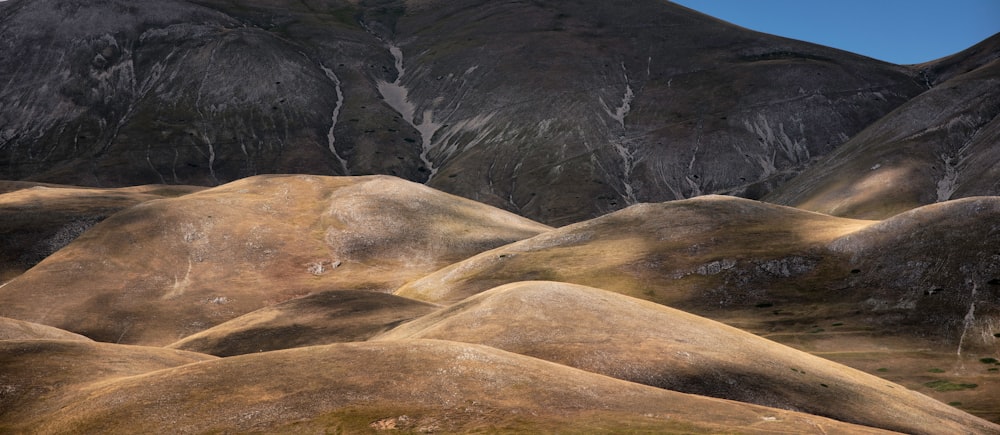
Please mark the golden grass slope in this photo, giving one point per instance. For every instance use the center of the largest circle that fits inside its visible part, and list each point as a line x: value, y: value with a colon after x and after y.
x: 39, y: 219
x: 163, y: 270
x: 41, y: 376
x: 410, y: 385
x: 926, y: 282
x: 12, y: 329
x: 322, y: 318
x: 647, y: 343
x: 672, y: 252
x: 716, y: 256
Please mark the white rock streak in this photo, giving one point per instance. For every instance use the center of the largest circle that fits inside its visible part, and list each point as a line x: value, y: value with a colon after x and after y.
x: 970, y: 319
x: 622, y: 111
x: 330, y: 139
x: 397, y: 96
x: 948, y: 184
x: 211, y: 156
x: 628, y: 156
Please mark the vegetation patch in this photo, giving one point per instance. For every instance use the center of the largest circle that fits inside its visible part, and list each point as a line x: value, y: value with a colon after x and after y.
x: 936, y: 370
x: 941, y: 385
x: 988, y: 360
x: 882, y: 369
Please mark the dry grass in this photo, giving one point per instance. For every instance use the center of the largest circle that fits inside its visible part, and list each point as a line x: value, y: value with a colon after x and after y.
x: 279, y: 262
x: 901, y: 284
x: 38, y: 219
x: 323, y: 318
x: 643, y: 342
x: 678, y: 247
x: 415, y: 385
x: 163, y: 270
x: 12, y: 329
x: 39, y: 377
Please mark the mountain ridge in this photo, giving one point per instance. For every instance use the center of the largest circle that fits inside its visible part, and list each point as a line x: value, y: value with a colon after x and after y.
x: 609, y: 107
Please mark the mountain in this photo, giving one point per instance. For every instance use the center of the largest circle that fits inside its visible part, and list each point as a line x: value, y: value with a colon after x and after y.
x: 938, y: 146
x: 162, y: 270
x: 607, y: 103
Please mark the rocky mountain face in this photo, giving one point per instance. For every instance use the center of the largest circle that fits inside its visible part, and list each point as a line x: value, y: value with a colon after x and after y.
x: 606, y: 103
x: 938, y: 146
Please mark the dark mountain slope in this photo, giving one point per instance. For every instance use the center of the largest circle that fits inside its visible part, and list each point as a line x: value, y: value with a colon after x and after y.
x: 619, y: 102
x: 607, y: 103
x: 941, y: 145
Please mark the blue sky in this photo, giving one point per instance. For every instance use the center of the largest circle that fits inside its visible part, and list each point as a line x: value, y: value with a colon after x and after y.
x: 897, y: 31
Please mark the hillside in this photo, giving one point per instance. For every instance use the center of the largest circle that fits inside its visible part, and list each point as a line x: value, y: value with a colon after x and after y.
x: 355, y: 387
x: 162, y: 270
x: 39, y: 219
x: 646, y: 343
x: 334, y: 316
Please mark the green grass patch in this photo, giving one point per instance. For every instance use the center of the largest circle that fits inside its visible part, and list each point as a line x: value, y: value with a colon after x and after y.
x: 837, y: 324
x: 955, y: 403
x: 936, y: 370
x: 882, y: 369
x: 988, y: 360
x: 949, y: 386
x: 993, y: 369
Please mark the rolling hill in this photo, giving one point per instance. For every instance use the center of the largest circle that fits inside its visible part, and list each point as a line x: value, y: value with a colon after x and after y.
x: 416, y: 386
x: 647, y: 343
x: 162, y: 270
x: 327, y: 317
x: 39, y: 219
